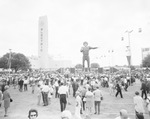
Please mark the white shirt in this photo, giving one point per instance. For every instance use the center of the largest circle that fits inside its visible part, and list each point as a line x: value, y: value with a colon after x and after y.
x: 56, y: 84
x: 45, y: 88
x: 63, y: 90
x: 40, y: 82
x: 138, y: 102
x: 26, y: 81
x: 125, y: 80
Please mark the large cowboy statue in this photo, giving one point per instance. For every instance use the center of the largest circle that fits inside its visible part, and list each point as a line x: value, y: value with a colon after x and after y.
x: 85, y: 50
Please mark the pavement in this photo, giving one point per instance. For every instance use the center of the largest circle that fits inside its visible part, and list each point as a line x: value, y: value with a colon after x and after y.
x: 110, y: 106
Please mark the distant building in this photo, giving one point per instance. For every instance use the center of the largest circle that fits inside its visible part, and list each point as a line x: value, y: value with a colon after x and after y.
x: 43, y: 42
x: 145, y: 52
x: 51, y: 64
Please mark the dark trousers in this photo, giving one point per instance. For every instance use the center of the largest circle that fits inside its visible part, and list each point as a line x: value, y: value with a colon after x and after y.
x: 139, y: 115
x: 20, y: 88
x: 126, y: 86
x: 74, y: 92
x: 83, y: 103
x: 45, y: 98
x: 144, y: 93
x: 128, y: 82
x: 56, y: 93
x: 119, y: 91
x: 25, y: 87
x: 63, y: 102
x: 97, y: 106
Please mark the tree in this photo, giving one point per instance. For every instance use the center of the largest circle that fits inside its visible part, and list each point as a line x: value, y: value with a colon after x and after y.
x: 18, y: 62
x: 79, y: 66
x: 146, y: 61
x: 95, y: 65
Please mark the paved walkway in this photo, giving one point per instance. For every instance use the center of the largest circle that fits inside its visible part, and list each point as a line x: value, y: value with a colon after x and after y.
x: 110, y: 106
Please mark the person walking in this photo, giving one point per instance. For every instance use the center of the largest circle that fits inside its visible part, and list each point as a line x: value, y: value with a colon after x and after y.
x: 143, y: 89
x: 119, y: 90
x: 25, y: 83
x: 50, y: 93
x: 89, y: 101
x: 45, y: 91
x: 97, y: 100
x: 148, y: 103
x: 21, y: 84
x: 39, y: 94
x: 1, y: 97
x: 33, y: 85
x: 138, y: 105
x: 63, y: 92
x: 6, y: 98
x: 56, y: 85
x: 75, y: 86
x: 83, y: 92
x: 78, y: 105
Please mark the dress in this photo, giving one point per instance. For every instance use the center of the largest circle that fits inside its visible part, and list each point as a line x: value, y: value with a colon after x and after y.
x: 6, y: 98
x: 1, y: 97
x: 148, y: 102
x: 78, y: 107
x: 89, y: 99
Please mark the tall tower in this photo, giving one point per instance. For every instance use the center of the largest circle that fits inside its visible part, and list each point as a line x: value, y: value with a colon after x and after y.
x: 43, y: 42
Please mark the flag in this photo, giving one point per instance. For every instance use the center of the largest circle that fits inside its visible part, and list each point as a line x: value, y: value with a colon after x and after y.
x: 129, y: 60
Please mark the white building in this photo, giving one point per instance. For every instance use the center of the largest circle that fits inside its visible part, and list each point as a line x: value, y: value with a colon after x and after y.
x: 145, y: 52
x: 43, y: 42
x: 52, y: 64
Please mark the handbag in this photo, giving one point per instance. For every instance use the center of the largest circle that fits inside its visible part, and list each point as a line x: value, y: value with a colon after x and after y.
x: 11, y: 100
x: 102, y: 98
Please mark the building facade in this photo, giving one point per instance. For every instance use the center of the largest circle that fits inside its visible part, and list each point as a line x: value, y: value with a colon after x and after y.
x: 145, y: 52
x: 43, y: 42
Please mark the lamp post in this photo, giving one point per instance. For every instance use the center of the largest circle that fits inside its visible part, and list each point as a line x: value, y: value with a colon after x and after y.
x: 129, y: 54
x: 111, y: 60
x: 9, y: 65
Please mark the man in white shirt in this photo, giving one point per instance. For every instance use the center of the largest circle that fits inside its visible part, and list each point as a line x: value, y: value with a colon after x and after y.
x: 97, y: 100
x: 56, y: 88
x: 139, y: 106
x: 123, y: 114
x: 25, y: 84
x: 45, y: 91
x: 63, y: 92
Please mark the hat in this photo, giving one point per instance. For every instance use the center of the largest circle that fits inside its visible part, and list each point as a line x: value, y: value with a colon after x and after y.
x: 124, y: 113
x: 67, y: 114
x: 85, y: 42
x: 6, y: 87
x: 136, y: 93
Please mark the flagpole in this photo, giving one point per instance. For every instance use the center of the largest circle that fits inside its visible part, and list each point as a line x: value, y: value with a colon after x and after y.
x: 129, y: 50
x: 9, y: 60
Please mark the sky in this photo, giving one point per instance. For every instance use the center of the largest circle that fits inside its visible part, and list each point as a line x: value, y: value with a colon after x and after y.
x: 102, y: 23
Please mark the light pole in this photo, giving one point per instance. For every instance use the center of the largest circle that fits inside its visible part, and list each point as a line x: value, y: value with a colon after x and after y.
x: 111, y: 60
x: 129, y: 54
x: 9, y: 65
x: 129, y: 48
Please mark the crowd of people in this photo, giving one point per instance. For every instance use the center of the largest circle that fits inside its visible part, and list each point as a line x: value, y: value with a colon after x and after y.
x: 84, y: 87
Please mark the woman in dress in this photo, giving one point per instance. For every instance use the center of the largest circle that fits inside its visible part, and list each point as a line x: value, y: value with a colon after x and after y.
x: 148, y: 103
x: 6, y: 98
x: 39, y: 94
x: 89, y: 101
x: 50, y: 93
x: 78, y: 105
x: 1, y: 96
